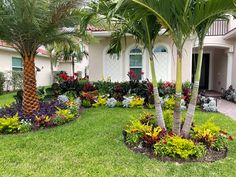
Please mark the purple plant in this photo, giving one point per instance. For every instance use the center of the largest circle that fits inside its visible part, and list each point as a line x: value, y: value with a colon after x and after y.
x: 46, y: 108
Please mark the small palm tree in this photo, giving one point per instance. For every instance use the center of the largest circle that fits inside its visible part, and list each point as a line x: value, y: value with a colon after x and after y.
x: 70, y: 51
x: 28, y: 24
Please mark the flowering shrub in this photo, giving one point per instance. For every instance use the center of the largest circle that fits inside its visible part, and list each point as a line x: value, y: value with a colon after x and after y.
x: 63, y: 98
x: 166, y: 88
x: 111, y: 102
x: 208, y: 104
x: 230, y: 94
x: 132, y: 76
x: 62, y: 76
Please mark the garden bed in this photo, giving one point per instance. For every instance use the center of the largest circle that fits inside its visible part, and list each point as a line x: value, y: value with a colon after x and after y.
x: 206, y: 143
x: 211, y: 155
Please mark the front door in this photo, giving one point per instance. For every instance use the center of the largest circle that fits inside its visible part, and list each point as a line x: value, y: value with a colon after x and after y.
x: 204, y: 82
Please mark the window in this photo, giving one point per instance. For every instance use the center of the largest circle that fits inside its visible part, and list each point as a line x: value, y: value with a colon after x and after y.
x: 160, y: 49
x: 136, y: 62
x: 17, y: 64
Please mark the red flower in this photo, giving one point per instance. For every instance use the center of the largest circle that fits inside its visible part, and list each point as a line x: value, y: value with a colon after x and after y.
x: 131, y: 71
x: 142, y: 73
x: 76, y: 74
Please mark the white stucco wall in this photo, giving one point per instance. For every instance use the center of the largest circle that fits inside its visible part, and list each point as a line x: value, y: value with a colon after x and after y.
x: 42, y: 62
x: 97, y: 54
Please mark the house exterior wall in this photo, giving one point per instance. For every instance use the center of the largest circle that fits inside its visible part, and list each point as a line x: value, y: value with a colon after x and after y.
x: 234, y: 68
x: 220, y: 70
x: 98, y: 53
x: 42, y: 62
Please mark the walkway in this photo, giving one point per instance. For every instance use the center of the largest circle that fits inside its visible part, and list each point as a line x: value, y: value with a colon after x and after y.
x: 227, y: 108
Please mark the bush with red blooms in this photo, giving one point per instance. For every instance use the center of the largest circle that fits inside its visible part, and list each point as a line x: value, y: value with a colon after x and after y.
x: 63, y: 76
x: 132, y: 76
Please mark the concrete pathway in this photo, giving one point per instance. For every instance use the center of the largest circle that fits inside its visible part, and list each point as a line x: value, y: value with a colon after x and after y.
x: 227, y: 108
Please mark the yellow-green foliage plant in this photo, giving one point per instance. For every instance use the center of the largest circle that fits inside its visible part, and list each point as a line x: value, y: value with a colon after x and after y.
x: 178, y: 147
x: 207, y: 133
x: 9, y: 124
x: 137, y: 102
x: 66, y: 114
x: 100, y: 102
x: 170, y: 103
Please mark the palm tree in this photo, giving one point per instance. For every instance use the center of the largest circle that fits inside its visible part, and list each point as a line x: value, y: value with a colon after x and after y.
x: 178, y: 17
x: 29, y: 24
x: 145, y: 30
x: 201, y: 31
x: 173, y: 16
x: 70, y: 51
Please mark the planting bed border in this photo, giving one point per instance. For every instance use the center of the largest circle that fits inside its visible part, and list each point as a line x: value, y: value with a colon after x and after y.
x: 211, y: 155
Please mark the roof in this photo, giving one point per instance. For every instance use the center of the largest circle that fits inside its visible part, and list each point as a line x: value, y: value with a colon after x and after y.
x: 92, y: 28
x: 41, y: 50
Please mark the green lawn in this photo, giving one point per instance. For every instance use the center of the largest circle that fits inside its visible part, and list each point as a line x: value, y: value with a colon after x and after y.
x: 93, y: 146
x: 7, y: 98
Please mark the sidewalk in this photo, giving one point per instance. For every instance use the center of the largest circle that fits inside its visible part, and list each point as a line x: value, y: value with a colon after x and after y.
x: 227, y: 108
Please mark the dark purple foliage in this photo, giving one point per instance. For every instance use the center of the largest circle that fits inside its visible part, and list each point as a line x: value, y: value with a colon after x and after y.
x: 46, y: 108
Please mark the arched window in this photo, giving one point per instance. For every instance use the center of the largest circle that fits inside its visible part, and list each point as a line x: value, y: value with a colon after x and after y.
x: 160, y: 49
x: 136, y: 62
x: 162, y: 63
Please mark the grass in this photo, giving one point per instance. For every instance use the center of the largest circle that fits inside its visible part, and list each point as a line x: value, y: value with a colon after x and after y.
x: 7, y: 98
x: 93, y: 146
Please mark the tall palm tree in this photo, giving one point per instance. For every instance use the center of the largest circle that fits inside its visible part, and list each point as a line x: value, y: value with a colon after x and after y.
x: 173, y: 16
x: 145, y: 30
x: 201, y: 31
x: 178, y: 17
x: 28, y: 24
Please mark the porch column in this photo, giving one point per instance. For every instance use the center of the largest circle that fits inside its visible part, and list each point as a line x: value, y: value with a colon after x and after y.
x: 229, y: 69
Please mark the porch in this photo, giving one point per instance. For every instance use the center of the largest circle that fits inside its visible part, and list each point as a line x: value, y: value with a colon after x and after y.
x: 216, y: 71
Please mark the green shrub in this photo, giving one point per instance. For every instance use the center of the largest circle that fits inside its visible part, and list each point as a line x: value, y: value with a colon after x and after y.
x: 148, y: 119
x: 25, y: 126
x: 16, y: 80
x: 9, y: 124
x: 2, y: 81
x: 170, y: 103
x: 168, y: 117
x: 206, y: 133
x: 175, y: 146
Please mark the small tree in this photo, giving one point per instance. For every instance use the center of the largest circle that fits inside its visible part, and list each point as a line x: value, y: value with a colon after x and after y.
x: 28, y: 24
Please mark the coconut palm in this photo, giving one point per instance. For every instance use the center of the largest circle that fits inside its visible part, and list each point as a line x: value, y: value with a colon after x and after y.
x: 29, y: 24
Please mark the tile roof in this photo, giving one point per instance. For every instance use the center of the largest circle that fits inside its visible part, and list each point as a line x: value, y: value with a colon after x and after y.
x: 94, y: 29
x: 41, y: 50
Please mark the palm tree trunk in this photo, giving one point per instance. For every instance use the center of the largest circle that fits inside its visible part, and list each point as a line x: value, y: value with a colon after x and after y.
x: 30, y: 98
x: 159, y: 112
x: 177, y: 111
x: 52, y: 73
x: 193, y: 101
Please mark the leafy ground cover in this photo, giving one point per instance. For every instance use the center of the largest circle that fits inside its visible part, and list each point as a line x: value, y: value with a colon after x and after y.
x: 93, y: 146
x: 7, y: 98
